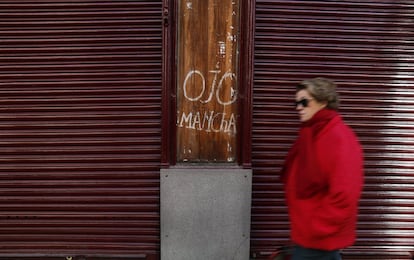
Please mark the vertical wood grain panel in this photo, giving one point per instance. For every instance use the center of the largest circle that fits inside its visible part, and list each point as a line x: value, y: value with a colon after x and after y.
x: 206, y: 81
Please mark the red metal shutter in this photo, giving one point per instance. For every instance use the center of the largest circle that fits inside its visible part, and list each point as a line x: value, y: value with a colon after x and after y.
x: 367, y: 48
x: 80, y: 95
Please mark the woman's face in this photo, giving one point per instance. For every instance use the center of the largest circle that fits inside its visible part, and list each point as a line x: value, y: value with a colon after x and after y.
x: 306, y: 105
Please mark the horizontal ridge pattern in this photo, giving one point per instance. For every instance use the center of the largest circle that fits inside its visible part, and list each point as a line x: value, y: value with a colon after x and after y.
x: 367, y: 47
x: 80, y: 87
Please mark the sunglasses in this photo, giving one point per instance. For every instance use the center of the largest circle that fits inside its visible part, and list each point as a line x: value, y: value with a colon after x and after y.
x: 303, y: 102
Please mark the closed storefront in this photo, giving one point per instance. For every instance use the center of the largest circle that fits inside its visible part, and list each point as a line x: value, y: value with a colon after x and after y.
x: 90, y: 95
x: 367, y: 48
x: 80, y: 94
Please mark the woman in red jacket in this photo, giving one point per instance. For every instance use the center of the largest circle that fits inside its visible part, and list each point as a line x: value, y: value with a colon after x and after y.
x: 323, y: 175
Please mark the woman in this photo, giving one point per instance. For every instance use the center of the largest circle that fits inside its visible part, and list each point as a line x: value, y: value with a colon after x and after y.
x: 323, y: 175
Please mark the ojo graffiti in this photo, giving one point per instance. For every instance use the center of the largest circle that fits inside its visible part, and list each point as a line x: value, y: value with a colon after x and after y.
x: 209, y: 121
x: 227, y: 75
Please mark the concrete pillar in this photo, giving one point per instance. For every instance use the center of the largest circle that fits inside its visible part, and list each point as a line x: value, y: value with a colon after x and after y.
x: 205, y: 214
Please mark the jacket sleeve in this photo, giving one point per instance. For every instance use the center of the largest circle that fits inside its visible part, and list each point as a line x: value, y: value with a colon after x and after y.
x: 343, y: 163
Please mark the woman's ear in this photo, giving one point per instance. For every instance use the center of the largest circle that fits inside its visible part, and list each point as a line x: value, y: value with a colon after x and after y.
x: 324, y: 104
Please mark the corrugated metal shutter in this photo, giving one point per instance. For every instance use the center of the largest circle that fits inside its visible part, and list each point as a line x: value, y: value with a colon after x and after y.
x: 367, y: 48
x: 80, y: 95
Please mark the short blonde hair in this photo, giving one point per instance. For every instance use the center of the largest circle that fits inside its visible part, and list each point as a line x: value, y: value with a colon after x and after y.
x: 321, y: 89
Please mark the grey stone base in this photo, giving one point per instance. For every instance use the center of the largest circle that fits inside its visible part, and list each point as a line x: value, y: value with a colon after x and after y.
x: 205, y: 214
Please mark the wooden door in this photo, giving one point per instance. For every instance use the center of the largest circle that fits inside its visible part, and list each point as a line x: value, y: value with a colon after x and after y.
x: 207, y: 89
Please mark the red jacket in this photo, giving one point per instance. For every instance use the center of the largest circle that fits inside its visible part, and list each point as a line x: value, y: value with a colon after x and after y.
x: 327, y: 220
